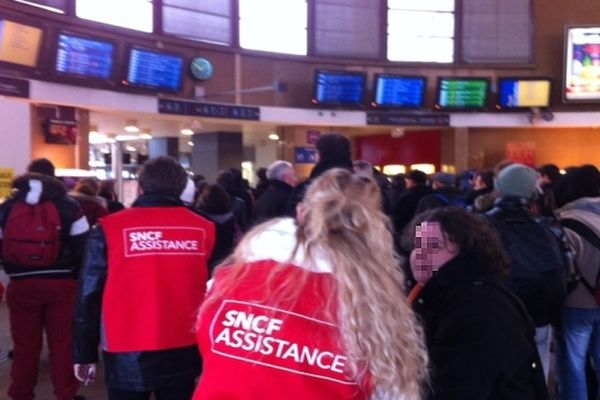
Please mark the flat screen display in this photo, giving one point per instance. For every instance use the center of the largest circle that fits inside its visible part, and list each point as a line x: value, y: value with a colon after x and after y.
x: 19, y: 43
x: 399, y: 91
x: 84, y: 57
x: 154, y: 70
x: 339, y: 88
x: 462, y: 93
x: 523, y: 93
x: 582, y: 64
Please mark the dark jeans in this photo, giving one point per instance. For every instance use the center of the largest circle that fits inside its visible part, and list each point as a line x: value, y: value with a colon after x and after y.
x: 182, y: 390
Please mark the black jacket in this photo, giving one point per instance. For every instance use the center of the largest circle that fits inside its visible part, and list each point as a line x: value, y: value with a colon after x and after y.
x: 136, y: 371
x: 479, y: 337
x: 75, y: 227
x: 405, y: 206
x: 444, y: 196
x: 272, y: 203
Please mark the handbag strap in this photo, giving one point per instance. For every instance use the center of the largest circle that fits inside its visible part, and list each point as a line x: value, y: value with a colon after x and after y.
x: 588, y: 234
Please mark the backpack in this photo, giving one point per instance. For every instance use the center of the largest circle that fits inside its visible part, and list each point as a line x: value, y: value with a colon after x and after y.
x: 588, y: 234
x: 458, y: 201
x: 31, y: 236
x: 537, y: 271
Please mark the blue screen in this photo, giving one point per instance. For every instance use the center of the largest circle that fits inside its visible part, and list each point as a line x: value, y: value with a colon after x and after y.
x: 84, y: 57
x: 339, y: 88
x: 154, y: 70
x: 398, y: 91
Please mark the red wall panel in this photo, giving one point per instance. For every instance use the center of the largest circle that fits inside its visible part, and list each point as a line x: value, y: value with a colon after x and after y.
x: 413, y: 148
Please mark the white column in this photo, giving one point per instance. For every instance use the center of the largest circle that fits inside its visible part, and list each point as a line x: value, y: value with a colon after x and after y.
x: 15, y: 134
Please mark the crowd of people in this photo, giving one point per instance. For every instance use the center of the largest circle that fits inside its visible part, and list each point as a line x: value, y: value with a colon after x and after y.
x: 348, y: 285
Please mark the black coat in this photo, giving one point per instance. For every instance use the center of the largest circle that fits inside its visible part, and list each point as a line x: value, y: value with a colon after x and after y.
x: 479, y: 337
x: 273, y: 202
x: 405, y: 206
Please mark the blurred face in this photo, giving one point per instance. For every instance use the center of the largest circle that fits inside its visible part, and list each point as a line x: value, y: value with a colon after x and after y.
x: 432, y: 250
x: 290, y: 177
x: 478, y: 183
x: 409, y: 183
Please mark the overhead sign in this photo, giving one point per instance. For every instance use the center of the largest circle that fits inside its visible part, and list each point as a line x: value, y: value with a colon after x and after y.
x: 209, y: 110
x: 14, y: 87
x: 411, y: 119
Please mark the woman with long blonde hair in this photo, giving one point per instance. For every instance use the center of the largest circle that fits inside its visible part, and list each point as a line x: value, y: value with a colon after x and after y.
x: 313, y: 308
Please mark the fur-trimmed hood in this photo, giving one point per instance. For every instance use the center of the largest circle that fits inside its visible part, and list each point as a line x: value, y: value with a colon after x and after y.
x: 86, y: 197
x: 34, y: 188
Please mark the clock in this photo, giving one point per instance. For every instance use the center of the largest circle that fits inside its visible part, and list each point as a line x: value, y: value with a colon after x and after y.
x: 201, y: 68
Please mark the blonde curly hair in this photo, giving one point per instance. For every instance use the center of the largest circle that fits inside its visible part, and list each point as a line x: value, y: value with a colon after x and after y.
x: 341, y: 221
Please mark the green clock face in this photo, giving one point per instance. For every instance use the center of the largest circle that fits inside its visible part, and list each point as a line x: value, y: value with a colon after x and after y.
x: 201, y: 68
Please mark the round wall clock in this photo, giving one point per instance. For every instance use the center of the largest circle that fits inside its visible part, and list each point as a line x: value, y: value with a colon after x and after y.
x: 201, y: 68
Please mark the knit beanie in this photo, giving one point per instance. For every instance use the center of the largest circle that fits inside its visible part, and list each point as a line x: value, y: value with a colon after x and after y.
x: 516, y: 180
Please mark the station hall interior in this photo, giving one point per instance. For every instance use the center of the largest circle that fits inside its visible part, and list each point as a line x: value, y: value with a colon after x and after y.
x: 229, y: 100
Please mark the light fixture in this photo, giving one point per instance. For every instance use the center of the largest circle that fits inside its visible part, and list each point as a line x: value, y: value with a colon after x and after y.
x: 191, y: 143
x: 132, y: 126
x: 145, y: 136
x: 130, y: 148
x: 426, y: 168
x: 394, y: 169
x: 126, y: 137
x: 186, y: 132
x: 273, y: 136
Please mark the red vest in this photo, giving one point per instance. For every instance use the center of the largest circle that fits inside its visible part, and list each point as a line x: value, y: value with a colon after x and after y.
x: 253, y: 348
x: 156, y: 277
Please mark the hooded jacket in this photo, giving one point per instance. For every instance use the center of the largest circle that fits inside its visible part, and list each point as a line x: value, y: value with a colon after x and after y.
x: 34, y: 188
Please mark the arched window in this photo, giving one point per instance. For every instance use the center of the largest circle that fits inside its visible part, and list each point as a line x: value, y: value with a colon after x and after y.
x: 421, y: 31
x: 274, y: 25
x: 132, y: 14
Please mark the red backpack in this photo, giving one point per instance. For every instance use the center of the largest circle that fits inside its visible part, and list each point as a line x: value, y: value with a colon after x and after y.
x: 32, y: 234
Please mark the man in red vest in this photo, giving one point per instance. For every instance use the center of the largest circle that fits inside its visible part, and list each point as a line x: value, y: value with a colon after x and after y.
x: 143, y: 279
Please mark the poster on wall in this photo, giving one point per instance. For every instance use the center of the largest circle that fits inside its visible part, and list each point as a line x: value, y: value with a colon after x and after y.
x: 305, y: 155
x: 582, y: 64
x: 312, y: 136
x: 521, y: 152
x: 60, y: 131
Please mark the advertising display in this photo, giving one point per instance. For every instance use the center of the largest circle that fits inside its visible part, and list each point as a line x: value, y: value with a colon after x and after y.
x: 582, y: 64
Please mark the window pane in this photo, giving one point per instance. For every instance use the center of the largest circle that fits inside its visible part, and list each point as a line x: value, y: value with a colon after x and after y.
x: 419, y: 23
x: 347, y: 28
x: 57, y: 6
x: 132, y: 14
x: 496, y: 31
x: 273, y: 25
x: 209, y: 6
x: 208, y: 21
x: 424, y: 5
x: 418, y: 49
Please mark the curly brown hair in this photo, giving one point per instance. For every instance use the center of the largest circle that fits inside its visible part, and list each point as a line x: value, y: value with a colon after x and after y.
x: 472, y: 234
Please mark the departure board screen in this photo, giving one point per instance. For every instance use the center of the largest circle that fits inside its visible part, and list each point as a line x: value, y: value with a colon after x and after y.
x: 338, y: 88
x: 84, y: 57
x: 154, y: 70
x: 523, y: 93
x: 462, y: 93
x: 399, y: 91
x: 19, y: 43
